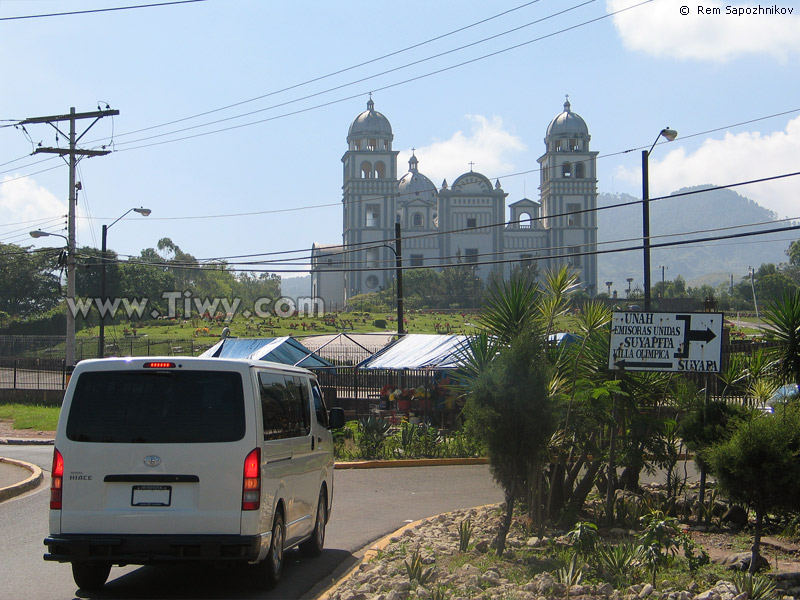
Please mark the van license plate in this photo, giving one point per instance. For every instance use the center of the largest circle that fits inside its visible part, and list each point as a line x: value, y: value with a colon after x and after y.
x: 151, y: 495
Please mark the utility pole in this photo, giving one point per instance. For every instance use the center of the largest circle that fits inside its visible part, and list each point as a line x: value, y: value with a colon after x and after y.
x: 399, y: 269
x: 73, y: 152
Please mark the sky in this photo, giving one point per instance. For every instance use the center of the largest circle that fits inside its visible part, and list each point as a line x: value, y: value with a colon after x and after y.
x: 234, y: 113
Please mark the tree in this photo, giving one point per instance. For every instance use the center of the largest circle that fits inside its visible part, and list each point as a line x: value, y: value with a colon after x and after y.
x: 771, y: 286
x: 794, y: 253
x: 422, y: 288
x: 28, y: 283
x: 461, y: 287
x: 707, y: 423
x: 758, y: 467
x: 510, y: 406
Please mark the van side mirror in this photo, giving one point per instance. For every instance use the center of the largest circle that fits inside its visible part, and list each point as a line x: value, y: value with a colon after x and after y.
x: 336, y: 418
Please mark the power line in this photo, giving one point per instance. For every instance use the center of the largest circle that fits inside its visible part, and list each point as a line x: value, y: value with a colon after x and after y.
x: 360, y: 247
x: 378, y: 89
x: 98, y: 10
x: 338, y: 72
x: 703, y: 240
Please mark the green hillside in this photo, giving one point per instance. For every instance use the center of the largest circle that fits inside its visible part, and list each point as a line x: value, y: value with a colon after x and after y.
x: 702, y: 215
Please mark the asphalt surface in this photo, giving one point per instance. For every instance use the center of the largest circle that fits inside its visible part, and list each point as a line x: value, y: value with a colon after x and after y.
x: 11, y: 475
x: 368, y: 504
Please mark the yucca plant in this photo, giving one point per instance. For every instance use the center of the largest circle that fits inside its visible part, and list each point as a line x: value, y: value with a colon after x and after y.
x: 783, y: 317
x: 416, y: 570
x: 440, y: 593
x: 616, y: 562
x: 464, y: 535
x: 756, y: 587
x: 571, y: 574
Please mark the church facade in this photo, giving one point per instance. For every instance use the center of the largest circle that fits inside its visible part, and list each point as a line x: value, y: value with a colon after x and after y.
x: 464, y: 222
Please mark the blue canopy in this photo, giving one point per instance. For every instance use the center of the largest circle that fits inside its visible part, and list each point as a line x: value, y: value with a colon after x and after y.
x: 285, y: 350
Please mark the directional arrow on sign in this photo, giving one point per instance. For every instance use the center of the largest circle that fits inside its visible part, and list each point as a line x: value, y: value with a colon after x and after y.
x: 622, y: 364
x: 692, y: 335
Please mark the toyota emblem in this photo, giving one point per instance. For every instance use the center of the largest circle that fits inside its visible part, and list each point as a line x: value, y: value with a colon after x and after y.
x: 152, y: 461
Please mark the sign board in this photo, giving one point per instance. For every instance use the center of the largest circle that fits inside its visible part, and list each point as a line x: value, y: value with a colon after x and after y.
x: 655, y: 341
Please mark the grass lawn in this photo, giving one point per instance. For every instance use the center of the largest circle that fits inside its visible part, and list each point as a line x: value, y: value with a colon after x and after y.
x: 197, y: 329
x: 40, y: 418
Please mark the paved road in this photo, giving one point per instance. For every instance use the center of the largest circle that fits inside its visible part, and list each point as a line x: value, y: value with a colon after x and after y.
x: 367, y: 505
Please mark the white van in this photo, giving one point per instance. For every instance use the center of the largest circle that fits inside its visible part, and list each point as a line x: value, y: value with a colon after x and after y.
x: 160, y: 460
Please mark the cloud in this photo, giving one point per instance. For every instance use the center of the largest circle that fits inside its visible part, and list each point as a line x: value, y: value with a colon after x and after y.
x: 488, y: 146
x: 26, y: 206
x: 732, y: 159
x: 659, y: 29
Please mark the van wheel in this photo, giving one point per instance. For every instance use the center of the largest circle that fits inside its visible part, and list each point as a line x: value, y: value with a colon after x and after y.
x: 273, y: 564
x: 313, y: 545
x: 90, y: 575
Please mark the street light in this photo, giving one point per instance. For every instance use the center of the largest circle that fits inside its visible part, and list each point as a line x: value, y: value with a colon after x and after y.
x: 398, y: 258
x: 670, y: 135
x: 101, y: 342
x: 69, y: 341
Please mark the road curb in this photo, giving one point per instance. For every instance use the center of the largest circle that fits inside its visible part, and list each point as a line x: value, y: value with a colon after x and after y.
x: 368, y: 555
x: 27, y: 441
x: 26, y: 485
x: 420, y: 462
x: 373, y: 550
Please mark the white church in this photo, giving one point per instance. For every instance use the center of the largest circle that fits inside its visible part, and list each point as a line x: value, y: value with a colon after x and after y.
x: 466, y: 221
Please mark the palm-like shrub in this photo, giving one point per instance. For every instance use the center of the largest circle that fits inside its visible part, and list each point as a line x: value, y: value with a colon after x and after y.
x: 783, y: 319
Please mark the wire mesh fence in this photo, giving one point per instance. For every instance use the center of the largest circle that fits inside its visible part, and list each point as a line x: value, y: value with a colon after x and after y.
x: 37, y: 363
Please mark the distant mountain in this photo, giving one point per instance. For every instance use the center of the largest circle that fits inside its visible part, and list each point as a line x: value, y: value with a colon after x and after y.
x: 296, y: 287
x: 701, y: 215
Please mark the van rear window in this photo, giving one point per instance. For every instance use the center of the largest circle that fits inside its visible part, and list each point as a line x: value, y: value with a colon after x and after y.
x: 157, y: 407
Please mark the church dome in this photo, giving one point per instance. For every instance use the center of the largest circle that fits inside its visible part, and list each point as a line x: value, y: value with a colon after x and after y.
x: 370, y: 123
x: 414, y: 184
x: 567, y: 123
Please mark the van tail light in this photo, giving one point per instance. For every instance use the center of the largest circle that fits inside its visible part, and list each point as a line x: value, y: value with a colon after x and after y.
x: 251, y: 486
x: 56, y: 480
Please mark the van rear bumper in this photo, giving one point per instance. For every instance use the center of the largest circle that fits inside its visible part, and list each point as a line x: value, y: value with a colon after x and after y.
x: 149, y: 549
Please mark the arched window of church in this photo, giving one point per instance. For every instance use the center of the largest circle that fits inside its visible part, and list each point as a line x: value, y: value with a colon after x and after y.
x: 380, y: 170
x: 566, y: 170
x: 525, y: 221
x: 579, y: 170
x: 366, y: 170
x: 416, y: 220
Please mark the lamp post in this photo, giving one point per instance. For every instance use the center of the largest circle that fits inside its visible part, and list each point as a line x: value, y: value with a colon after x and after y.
x: 69, y: 342
x: 398, y: 261
x: 669, y: 135
x: 663, y: 282
x: 101, y: 341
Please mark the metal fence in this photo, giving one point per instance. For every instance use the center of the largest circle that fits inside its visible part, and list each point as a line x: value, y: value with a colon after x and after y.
x: 36, y: 363
x: 53, y: 346
x: 32, y: 374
